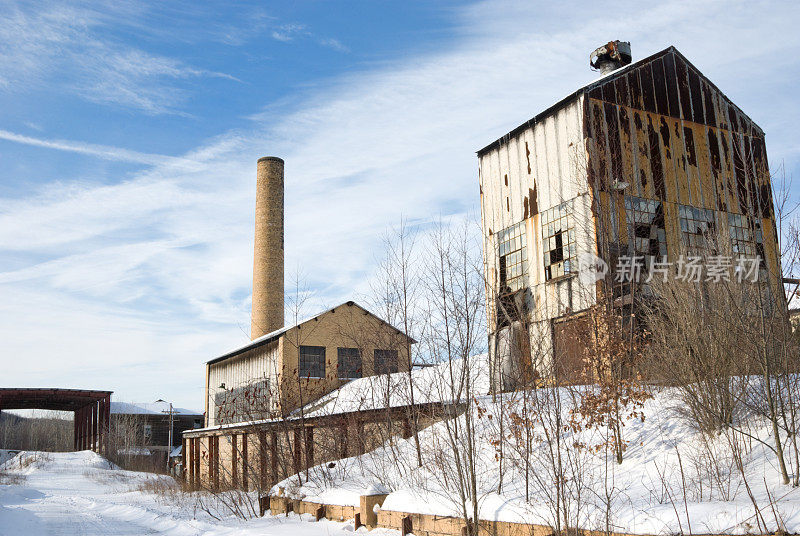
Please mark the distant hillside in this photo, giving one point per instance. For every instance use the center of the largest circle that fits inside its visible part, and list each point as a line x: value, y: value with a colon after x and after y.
x: 35, y: 433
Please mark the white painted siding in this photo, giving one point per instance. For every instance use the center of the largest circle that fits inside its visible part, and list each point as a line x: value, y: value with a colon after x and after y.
x: 558, y: 165
x: 250, y: 367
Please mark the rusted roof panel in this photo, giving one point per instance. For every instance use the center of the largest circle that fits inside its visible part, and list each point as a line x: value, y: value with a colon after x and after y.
x: 665, y: 83
x: 50, y: 399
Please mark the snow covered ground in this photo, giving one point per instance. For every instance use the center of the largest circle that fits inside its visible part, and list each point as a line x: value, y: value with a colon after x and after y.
x: 671, y: 481
x: 81, y: 494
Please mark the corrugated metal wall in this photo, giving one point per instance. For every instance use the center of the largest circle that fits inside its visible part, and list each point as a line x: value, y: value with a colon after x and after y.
x: 251, y: 366
x: 674, y: 137
x: 659, y: 126
x: 539, y: 168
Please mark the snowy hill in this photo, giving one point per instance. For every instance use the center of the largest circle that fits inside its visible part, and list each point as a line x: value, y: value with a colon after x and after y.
x: 547, y: 470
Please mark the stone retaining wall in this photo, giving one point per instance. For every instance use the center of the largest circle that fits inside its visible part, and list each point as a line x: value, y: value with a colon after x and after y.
x: 406, y: 522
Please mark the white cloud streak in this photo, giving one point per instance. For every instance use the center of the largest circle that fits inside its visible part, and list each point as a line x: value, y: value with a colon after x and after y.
x: 45, y: 43
x: 105, y: 152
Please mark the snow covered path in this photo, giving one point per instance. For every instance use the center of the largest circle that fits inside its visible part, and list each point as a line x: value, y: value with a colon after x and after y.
x: 79, y: 494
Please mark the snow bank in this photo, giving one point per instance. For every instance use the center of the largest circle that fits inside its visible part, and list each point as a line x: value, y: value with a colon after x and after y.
x: 431, y: 384
x: 671, y: 480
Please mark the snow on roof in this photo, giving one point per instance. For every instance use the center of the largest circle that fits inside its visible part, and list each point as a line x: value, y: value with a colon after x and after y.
x: 444, y: 382
x: 159, y: 407
x: 431, y: 384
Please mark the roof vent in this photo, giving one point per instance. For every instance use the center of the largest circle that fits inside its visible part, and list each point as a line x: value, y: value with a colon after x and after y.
x: 611, y: 56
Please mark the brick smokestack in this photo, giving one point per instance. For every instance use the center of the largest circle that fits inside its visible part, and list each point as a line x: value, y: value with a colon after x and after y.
x: 267, y: 310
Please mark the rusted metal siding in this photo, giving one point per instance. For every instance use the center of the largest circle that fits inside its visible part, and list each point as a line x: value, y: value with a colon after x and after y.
x: 662, y: 127
x: 658, y: 125
x: 535, y: 169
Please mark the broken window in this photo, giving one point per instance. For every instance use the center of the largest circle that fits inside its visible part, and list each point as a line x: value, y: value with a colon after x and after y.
x: 513, y: 254
x: 385, y: 361
x: 697, y: 229
x: 558, y: 239
x: 312, y: 362
x: 349, y: 365
x: 747, y: 240
x: 646, y: 235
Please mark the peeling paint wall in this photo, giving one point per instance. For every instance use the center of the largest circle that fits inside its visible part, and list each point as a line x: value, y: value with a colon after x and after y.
x: 668, y: 132
x: 535, y: 170
x: 658, y: 130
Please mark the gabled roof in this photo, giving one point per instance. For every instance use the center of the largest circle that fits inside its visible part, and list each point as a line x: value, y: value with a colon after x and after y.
x: 275, y: 335
x: 599, y: 82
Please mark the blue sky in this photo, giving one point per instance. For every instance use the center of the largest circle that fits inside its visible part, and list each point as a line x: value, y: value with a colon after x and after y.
x: 129, y: 134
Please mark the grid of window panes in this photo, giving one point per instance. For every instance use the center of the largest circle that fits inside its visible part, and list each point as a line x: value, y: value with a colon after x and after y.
x: 513, y: 252
x: 385, y: 361
x: 747, y: 240
x: 312, y: 362
x: 646, y: 234
x: 558, y: 241
x: 743, y: 237
x: 697, y: 228
x: 349, y: 363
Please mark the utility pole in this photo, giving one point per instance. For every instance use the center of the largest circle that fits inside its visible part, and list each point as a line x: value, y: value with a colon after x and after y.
x: 169, y: 441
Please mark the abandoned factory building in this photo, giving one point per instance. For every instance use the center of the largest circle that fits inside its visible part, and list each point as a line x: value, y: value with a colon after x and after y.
x: 651, y: 160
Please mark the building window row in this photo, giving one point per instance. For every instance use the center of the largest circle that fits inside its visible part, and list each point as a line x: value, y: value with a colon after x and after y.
x: 647, y: 238
x: 349, y: 362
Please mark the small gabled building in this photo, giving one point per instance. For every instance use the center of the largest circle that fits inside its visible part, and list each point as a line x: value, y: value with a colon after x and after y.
x: 280, y: 371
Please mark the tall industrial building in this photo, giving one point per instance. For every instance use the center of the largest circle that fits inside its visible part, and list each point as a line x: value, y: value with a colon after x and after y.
x: 648, y: 160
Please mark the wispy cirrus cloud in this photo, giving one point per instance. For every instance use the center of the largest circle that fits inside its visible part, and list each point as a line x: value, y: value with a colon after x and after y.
x: 48, y: 43
x: 105, y: 152
x: 287, y: 33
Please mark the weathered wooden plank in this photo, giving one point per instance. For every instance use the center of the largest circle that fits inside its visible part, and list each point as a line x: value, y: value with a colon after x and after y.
x: 648, y: 92
x: 691, y: 165
x: 671, y: 84
x: 715, y: 160
x: 656, y: 157
x: 683, y: 90
x: 697, y: 96
x: 660, y: 87
x: 681, y: 167
x: 626, y: 147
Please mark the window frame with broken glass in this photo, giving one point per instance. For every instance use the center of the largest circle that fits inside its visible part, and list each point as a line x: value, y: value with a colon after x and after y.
x: 642, y: 214
x: 695, y: 240
x: 559, y: 256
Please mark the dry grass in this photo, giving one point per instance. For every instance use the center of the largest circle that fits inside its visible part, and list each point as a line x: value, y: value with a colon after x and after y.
x: 11, y: 479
